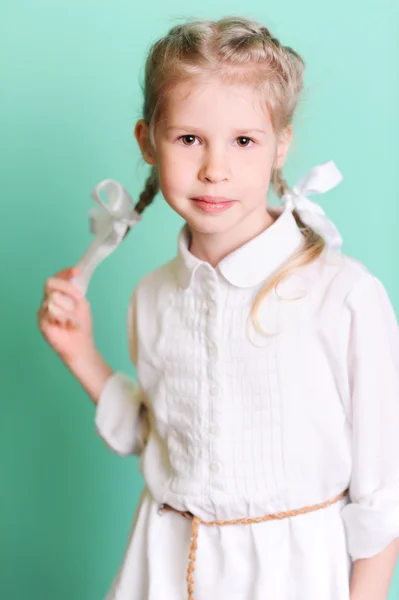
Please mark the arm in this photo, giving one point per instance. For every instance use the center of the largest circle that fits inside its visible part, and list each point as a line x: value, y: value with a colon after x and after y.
x: 92, y: 372
x: 121, y: 418
x: 372, y: 517
x: 371, y: 577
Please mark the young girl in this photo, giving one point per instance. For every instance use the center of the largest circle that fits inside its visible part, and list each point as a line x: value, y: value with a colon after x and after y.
x: 267, y: 360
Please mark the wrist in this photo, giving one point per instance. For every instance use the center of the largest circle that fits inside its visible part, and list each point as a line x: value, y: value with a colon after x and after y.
x: 91, y: 370
x: 87, y: 356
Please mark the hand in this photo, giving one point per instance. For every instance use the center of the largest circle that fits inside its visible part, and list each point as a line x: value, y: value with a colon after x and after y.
x: 68, y: 326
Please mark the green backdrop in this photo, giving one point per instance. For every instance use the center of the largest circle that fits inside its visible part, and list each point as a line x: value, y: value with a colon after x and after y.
x: 70, y: 95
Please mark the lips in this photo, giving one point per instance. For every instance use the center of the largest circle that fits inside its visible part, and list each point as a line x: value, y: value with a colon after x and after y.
x: 212, y: 204
x: 212, y: 199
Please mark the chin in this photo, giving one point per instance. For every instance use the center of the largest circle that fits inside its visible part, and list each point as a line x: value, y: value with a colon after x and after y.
x: 210, y: 224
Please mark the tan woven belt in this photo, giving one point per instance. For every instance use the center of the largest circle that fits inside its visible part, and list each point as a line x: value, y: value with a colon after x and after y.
x: 196, y: 521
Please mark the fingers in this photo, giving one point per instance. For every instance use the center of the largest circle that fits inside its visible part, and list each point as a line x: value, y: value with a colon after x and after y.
x: 61, y: 298
x: 58, y: 284
x: 63, y: 301
x: 67, y: 273
x: 61, y: 309
x: 56, y: 312
x: 53, y: 316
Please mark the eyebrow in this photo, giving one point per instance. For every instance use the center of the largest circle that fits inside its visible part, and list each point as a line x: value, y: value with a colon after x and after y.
x: 236, y: 131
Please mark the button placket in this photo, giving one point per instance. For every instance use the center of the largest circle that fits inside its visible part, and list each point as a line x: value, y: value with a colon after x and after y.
x: 215, y: 391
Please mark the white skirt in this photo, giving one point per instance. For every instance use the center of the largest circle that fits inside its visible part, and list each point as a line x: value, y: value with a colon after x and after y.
x: 303, y: 557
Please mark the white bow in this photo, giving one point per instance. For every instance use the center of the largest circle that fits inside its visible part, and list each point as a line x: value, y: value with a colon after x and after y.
x: 109, y: 222
x: 320, y: 179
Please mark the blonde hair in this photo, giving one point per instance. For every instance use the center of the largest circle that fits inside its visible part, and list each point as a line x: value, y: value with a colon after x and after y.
x: 238, y: 50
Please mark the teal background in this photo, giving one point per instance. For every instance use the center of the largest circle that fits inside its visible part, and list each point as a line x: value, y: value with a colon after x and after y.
x: 69, y: 98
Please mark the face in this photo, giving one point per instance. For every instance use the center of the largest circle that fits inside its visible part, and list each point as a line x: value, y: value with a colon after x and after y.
x: 215, y: 149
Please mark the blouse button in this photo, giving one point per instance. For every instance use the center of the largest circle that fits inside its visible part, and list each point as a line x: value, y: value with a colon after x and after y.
x: 212, y: 310
x: 215, y: 467
x: 214, y: 389
x: 213, y: 350
x: 214, y: 428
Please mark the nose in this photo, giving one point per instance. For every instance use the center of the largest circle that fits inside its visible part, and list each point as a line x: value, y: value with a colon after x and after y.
x: 214, y: 168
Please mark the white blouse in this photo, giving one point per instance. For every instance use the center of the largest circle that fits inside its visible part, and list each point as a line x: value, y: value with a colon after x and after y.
x: 232, y: 423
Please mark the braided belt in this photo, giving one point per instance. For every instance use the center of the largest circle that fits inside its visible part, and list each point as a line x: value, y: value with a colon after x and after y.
x: 196, y: 521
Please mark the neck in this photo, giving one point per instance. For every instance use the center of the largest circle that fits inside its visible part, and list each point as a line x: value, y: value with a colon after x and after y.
x: 213, y: 247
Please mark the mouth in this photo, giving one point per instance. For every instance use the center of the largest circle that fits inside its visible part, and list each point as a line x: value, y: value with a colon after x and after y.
x: 212, y: 204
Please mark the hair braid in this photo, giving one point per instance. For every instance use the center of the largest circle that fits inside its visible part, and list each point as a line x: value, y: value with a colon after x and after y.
x: 280, y: 185
x: 150, y: 190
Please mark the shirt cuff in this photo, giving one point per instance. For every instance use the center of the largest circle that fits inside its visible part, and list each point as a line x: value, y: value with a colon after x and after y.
x: 372, y: 523
x: 121, y: 417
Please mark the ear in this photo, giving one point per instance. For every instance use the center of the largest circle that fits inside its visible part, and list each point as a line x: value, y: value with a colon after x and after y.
x: 141, y: 131
x: 283, y: 145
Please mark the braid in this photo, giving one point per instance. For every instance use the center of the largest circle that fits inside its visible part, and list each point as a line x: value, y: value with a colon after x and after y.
x: 280, y: 185
x: 149, y: 192
x: 267, y: 35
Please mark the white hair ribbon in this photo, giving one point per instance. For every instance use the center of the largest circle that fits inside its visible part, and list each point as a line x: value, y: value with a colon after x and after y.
x: 320, y: 179
x: 109, y: 222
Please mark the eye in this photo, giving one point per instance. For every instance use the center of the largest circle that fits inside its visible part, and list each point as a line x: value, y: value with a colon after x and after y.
x: 187, y: 139
x: 246, y: 141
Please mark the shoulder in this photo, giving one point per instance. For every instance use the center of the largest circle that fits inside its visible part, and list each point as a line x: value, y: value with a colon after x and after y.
x: 148, y: 300
x: 347, y: 270
x: 352, y: 280
x: 156, y: 284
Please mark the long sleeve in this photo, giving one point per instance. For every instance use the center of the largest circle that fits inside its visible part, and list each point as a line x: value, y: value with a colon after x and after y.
x: 121, y: 414
x: 372, y: 517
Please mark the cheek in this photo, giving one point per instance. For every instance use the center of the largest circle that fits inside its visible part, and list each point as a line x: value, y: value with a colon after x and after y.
x: 256, y: 171
x: 174, y: 174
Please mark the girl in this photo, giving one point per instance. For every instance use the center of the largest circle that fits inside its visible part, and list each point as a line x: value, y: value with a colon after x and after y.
x: 267, y: 361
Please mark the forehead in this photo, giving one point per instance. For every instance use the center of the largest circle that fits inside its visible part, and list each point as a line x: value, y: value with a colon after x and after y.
x: 212, y: 100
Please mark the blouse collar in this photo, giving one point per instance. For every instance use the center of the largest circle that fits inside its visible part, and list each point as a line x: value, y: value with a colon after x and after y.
x: 253, y: 262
